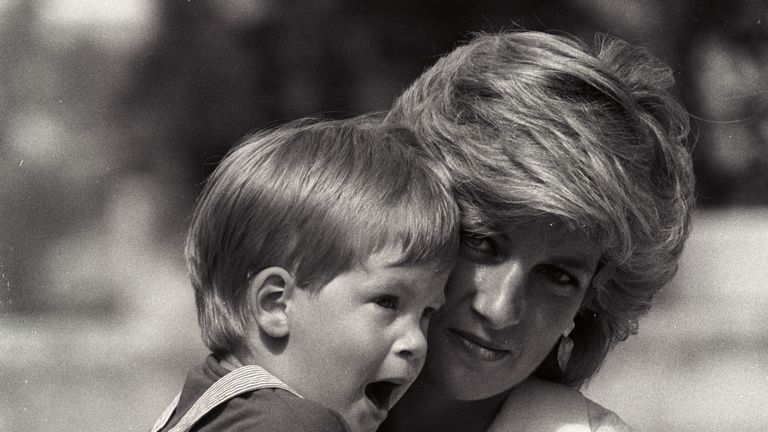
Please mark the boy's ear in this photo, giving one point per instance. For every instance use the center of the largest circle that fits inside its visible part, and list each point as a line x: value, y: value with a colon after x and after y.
x: 268, y: 291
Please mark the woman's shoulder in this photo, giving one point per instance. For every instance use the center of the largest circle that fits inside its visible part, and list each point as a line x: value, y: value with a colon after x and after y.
x: 543, y: 406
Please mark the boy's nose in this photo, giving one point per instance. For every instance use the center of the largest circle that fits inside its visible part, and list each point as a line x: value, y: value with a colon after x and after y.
x: 412, y: 345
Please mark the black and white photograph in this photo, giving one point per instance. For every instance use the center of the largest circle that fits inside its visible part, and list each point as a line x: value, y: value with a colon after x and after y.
x: 392, y: 216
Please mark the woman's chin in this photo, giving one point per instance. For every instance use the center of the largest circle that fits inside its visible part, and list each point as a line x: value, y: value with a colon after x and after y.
x: 466, y: 380
x: 460, y: 383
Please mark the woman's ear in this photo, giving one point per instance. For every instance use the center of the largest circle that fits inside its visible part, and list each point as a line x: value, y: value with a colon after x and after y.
x: 268, y: 292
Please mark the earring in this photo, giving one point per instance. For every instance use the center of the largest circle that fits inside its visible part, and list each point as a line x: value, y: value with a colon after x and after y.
x: 565, y: 348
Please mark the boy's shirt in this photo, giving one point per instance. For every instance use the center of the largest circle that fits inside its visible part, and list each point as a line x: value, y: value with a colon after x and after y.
x: 270, y: 409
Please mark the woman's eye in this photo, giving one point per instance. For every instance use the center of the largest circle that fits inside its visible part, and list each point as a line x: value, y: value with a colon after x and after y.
x: 477, y: 243
x: 559, y: 276
x: 387, y: 302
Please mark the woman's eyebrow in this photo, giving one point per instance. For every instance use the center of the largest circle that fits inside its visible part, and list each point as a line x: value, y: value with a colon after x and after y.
x: 584, y: 264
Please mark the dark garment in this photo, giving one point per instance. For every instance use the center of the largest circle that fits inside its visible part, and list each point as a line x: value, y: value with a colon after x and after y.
x: 270, y: 409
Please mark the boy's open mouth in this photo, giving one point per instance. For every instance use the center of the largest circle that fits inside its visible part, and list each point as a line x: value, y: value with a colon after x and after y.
x: 380, y: 393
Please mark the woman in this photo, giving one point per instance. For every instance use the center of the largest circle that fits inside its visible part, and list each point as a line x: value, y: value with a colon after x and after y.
x: 576, y: 189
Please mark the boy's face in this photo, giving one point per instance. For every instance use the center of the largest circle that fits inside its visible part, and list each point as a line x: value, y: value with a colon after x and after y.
x: 357, y: 344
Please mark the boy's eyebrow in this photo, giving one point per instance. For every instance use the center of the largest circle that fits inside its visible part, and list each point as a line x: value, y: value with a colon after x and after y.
x: 403, y: 288
x: 397, y: 283
x: 401, y: 285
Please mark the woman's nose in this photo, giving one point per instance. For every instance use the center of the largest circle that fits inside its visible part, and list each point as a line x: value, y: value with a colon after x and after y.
x: 500, y: 296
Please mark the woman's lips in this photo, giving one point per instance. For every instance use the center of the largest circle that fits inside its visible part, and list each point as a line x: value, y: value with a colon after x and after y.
x: 479, y: 347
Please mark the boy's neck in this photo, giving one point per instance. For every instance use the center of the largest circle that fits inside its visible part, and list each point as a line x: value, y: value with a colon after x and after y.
x: 425, y: 408
x: 230, y: 362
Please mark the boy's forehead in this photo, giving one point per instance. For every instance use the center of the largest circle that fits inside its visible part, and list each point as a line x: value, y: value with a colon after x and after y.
x: 393, y: 258
x: 408, y: 278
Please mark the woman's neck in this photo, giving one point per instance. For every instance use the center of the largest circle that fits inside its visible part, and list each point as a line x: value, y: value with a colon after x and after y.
x: 425, y: 408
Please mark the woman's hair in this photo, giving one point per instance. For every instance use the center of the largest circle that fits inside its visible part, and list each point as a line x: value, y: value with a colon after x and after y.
x: 533, y: 125
x: 318, y: 199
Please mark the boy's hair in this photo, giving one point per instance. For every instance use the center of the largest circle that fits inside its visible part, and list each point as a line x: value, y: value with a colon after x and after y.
x: 317, y: 198
x: 535, y: 125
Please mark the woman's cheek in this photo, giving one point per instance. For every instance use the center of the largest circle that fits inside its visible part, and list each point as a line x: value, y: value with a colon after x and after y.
x: 464, y: 279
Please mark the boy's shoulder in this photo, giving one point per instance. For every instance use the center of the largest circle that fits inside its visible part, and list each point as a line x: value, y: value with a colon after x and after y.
x: 274, y: 410
x: 265, y: 409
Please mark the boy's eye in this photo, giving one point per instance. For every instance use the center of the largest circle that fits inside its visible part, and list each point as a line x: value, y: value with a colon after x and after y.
x: 387, y: 302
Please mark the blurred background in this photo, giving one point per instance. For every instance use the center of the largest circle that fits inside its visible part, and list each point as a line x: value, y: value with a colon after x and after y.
x: 113, y: 112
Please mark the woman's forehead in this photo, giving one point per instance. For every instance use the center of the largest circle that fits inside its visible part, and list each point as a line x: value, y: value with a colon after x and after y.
x: 555, y: 234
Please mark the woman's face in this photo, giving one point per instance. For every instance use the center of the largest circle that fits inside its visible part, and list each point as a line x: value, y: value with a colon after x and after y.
x: 509, y: 298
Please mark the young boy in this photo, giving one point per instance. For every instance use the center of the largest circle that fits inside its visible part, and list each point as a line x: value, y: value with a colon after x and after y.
x: 317, y: 253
